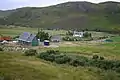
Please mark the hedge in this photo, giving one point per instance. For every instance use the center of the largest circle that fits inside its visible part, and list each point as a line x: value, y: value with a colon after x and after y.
x: 95, y: 61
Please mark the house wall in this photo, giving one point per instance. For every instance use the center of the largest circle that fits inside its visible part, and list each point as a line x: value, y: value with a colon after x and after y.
x: 24, y: 43
x: 78, y: 34
x: 35, y: 42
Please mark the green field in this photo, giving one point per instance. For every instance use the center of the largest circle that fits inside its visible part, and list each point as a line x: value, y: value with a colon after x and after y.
x: 17, y: 31
x: 108, y: 50
x: 116, y: 39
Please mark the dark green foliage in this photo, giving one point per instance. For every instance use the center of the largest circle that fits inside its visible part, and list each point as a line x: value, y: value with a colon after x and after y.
x: 74, y: 62
x: 70, y: 33
x: 71, y: 38
x: 78, y: 61
x: 104, y: 37
x: 52, y: 52
x: 30, y: 52
x: 101, y: 58
x: 62, y: 59
x: 4, y: 76
x: 95, y: 57
x: 49, y: 55
x: 118, y: 69
x: 96, y: 61
x: 16, y: 37
x: 42, y: 35
x: 1, y: 49
x: 86, y: 34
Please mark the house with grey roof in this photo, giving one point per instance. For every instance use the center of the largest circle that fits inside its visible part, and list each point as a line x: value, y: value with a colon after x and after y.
x: 56, y: 38
x: 28, y: 39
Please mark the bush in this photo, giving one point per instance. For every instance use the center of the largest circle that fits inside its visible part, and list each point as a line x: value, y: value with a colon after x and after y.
x: 118, y: 69
x: 101, y: 58
x: 16, y: 37
x: 95, y: 57
x: 43, y: 55
x: 62, y: 59
x: 52, y: 52
x: 1, y: 49
x: 71, y: 38
x: 42, y: 35
x: 30, y: 52
x: 86, y: 34
x: 74, y: 62
x: 96, y: 61
x: 49, y: 55
x: 69, y: 33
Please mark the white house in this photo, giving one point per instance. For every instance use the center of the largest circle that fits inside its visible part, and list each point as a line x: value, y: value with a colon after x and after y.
x: 78, y: 34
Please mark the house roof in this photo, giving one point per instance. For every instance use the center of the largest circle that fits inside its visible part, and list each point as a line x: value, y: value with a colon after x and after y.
x: 27, y: 37
x: 56, y: 37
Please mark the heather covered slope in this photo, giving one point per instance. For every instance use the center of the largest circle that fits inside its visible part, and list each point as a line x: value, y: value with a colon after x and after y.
x: 104, y: 16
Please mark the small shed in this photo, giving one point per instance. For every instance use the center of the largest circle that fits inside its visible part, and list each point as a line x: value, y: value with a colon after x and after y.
x: 56, y: 38
x: 46, y: 43
x: 29, y: 39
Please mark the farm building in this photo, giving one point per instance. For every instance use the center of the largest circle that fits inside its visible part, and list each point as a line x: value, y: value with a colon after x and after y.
x: 5, y: 38
x: 56, y: 38
x: 78, y: 34
x: 28, y: 39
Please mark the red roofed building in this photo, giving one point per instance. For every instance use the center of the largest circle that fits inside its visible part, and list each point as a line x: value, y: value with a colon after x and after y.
x: 7, y: 38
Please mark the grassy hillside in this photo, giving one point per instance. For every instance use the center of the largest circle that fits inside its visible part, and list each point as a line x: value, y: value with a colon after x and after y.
x: 5, y: 13
x: 103, y: 16
x: 14, y: 66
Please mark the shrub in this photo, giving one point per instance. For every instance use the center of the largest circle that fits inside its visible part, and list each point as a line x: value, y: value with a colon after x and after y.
x: 30, y: 52
x: 96, y: 61
x: 86, y: 34
x: 69, y: 33
x: 43, y: 55
x: 101, y: 58
x: 49, y: 55
x: 62, y: 59
x: 4, y: 76
x: 51, y: 58
x: 71, y: 38
x: 15, y: 37
x: 42, y: 35
x: 116, y: 64
x: 118, y: 69
x: 74, y: 62
x: 95, y: 57
x: 52, y: 52
x: 1, y: 49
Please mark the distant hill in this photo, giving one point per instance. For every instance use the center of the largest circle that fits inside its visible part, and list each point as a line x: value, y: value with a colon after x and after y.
x: 5, y: 13
x: 82, y: 15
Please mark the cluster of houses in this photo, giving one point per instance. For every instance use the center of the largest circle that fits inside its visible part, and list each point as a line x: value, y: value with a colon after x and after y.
x: 29, y: 39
